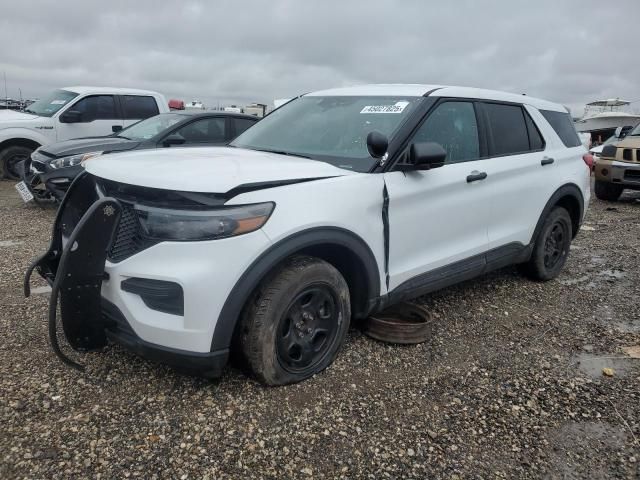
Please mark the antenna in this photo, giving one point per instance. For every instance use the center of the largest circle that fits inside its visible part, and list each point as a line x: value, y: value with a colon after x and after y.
x: 6, y: 95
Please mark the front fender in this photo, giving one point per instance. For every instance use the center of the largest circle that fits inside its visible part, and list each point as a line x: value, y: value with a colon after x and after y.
x: 273, y: 256
x: 15, y: 133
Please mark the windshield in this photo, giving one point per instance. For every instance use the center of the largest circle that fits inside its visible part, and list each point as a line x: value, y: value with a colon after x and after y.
x: 636, y: 131
x: 49, y: 105
x: 331, y: 129
x: 150, y: 127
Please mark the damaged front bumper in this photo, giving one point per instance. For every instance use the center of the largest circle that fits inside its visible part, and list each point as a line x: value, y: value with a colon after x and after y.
x: 74, y: 265
x: 46, y: 185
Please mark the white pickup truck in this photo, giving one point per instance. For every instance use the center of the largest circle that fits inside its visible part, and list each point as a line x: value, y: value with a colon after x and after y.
x: 71, y: 112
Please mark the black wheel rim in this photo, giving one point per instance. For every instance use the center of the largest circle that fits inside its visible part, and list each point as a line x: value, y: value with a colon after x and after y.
x: 12, y: 163
x: 308, y: 328
x: 555, y: 245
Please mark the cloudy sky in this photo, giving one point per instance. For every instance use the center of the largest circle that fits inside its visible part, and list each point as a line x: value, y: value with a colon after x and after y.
x: 239, y: 51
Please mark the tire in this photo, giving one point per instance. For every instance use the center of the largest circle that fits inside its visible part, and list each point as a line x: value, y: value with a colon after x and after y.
x: 10, y: 157
x: 295, y: 322
x: 551, y: 248
x: 607, y: 191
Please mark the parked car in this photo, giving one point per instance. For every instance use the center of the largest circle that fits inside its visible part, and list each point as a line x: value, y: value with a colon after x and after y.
x: 50, y: 170
x: 620, y: 134
x: 618, y: 167
x: 334, y: 206
x: 71, y: 112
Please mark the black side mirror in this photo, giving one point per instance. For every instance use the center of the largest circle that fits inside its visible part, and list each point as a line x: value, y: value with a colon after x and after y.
x: 71, y: 116
x: 377, y: 144
x: 116, y: 128
x: 423, y: 156
x: 173, y: 139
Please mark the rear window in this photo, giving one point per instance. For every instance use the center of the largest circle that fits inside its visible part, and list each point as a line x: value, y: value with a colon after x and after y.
x: 508, y: 129
x: 137, y: 107
x: 563, y: 125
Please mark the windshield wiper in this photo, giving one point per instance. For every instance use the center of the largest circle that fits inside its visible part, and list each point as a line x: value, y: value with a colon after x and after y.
x: 122, y: 136
x: 30, y: 111
x: 279, y: 152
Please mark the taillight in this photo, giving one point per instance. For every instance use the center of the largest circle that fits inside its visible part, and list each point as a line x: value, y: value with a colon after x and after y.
x: 588, y: 160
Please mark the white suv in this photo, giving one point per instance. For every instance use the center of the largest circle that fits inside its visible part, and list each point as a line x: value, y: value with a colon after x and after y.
x: 71, y: 112
x: 336, y: 205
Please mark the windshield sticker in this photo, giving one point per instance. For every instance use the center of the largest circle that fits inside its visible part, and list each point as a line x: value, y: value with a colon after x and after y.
x: 397, y: 108
x: 58, y: 102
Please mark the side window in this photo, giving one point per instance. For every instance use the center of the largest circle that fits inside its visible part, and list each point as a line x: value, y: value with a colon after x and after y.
x: 563, y: 125
x: 207, y: 130
x: 242, y: 124
x: 453, y: 125
x: 508, y: 129
x: 96, y: 107
x: 536, y: 142
x: 136, y: 107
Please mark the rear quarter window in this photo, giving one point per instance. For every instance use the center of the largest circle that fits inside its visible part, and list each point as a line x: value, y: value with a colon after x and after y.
x: 563, y: 125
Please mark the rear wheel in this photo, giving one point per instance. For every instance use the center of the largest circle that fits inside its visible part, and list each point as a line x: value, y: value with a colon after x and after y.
x: 10, y: 158
x: 551, y: 248
x: 608, y: 191
x: 296, y: 321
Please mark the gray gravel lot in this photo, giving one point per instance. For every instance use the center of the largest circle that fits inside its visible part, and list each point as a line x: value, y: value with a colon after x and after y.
x: 511, y: 386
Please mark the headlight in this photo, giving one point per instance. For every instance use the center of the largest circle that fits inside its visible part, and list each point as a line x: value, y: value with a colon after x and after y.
x: 191, y: 225
x: 73, y: 160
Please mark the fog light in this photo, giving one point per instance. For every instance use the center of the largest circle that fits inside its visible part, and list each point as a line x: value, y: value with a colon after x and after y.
x: 604, y: 172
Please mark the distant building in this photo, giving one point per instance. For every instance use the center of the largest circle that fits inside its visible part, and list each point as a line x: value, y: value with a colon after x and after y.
x: 256, y: 109
x: 194, y: 105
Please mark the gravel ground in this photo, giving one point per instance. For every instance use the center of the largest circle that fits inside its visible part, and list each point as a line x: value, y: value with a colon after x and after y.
x: 511, y: 386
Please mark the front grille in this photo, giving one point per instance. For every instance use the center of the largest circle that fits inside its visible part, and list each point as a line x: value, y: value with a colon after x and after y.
x: 129, y: 239
x: 632, y: 175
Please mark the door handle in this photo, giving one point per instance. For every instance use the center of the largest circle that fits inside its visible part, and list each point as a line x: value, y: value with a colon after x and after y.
x: 546, y: 161
x: 476, y: 176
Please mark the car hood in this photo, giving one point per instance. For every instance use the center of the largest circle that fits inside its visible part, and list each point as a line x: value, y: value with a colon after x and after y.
x: 90, y: 144
x: 210, y: 169
x: 11, y: 116
x: 630, y: 141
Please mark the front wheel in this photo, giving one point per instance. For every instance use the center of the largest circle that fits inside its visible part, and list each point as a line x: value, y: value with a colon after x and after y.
x: 607, y: 191
x: 551, y: 248
x: 10, y: 158
x: 296, y: 321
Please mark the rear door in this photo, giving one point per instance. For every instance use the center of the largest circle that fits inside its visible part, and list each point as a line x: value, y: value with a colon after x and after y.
x: 137, y: 107
x: 520, y: 168
x: 438, y: 217
x: 98, y: 115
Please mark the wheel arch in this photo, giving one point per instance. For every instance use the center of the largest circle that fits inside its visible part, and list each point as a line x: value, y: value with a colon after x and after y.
x: 19, y: 142
x: 569, y: 196
x: 343, y: 249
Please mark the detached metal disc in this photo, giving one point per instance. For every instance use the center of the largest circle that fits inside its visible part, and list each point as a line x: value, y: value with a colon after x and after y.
x: 404, y: 323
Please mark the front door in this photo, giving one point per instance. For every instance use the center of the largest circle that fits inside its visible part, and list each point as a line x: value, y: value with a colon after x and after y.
x: 439, y: 217
x: 97, y: 116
